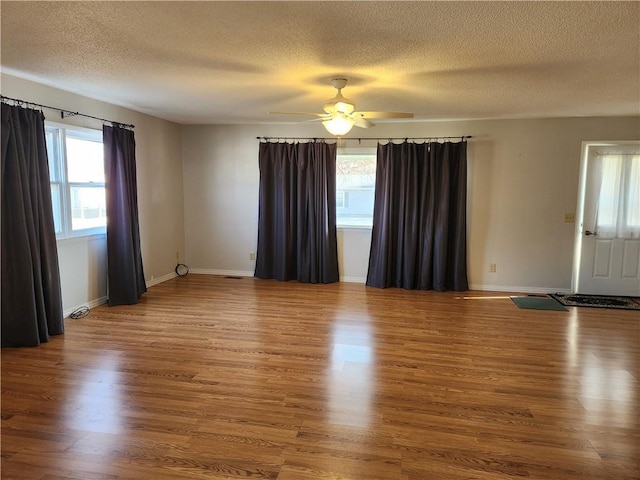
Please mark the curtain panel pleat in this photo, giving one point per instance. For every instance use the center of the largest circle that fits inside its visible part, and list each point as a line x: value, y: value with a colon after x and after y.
x: 419, y: 220
x: 31, y: 293
x: 125, y: 274
x: 297, y: 213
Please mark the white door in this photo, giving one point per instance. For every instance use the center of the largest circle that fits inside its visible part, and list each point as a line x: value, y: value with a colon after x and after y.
x: 608, y: 233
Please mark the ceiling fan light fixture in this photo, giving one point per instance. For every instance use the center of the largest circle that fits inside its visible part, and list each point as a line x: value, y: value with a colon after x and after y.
x: 340, y: 113
x: 338, y: 125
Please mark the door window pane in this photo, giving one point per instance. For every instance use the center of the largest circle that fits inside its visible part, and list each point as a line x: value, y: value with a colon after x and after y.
x: 633, y: 193
x: 609, y: 191
x: 618, y: 207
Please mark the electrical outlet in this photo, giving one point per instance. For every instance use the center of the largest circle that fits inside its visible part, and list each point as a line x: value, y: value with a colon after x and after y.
x: 569, y: 218
x: 177, y: 257
x: 252, y: 256
x: 492, y: 268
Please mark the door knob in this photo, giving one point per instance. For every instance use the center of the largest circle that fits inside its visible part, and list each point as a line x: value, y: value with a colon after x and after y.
x: 587, y: 233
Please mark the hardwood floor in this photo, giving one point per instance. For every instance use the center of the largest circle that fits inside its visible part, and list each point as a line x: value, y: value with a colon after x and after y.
x: 213, y: 377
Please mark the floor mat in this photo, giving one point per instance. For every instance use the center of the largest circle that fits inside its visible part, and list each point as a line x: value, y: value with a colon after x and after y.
x: 538, y: 303
x: 600, y: 301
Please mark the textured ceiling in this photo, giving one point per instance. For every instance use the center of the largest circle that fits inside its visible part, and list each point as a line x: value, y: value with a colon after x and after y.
x: 232, y: 62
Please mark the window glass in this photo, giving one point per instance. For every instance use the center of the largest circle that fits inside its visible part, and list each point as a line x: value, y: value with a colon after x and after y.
x: 76, y: 174
x: 56, y: 201
x: 85, y: 160
x: 633, y: 193
x: 51, y: 138
x: 88, y: 207
x: 355, y: 189
x: 618, y: 207
x: 609, y: 191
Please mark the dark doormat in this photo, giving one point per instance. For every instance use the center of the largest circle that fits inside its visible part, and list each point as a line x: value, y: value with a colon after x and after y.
x: 538, y: 303
x: 600, y: 301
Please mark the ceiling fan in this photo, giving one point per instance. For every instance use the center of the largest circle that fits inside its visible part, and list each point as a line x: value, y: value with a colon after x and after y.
x: 340, y: 113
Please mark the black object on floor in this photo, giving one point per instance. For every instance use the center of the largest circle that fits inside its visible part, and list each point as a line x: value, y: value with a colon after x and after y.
x: 538, y: 303
x: 600, y: 301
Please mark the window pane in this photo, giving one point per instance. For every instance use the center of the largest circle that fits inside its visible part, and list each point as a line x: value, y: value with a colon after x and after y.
x: 56, y: 202
x: 88, y: 207
x: 85, y: 160
x: 609, y: 191
x: 52, y: 154
x: 633, y: 193
x: 355, y: 187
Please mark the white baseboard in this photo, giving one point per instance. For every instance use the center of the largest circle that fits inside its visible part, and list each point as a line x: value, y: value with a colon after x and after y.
x: 102, y: 300
x: 518, y: 289
x: 242, y: 273
x: 163, y: 278
x: 224, y: 273
x: 487, y: 288
x: 91, y: 304
x: 353, y: 279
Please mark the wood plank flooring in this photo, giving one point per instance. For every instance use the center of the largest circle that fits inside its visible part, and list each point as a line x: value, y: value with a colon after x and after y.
x: 220, y: 378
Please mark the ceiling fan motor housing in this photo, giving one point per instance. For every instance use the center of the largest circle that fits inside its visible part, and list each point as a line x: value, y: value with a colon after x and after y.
x: 339, y: 103
x: 339, y: 83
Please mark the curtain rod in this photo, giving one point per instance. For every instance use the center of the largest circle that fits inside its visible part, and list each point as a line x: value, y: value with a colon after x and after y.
x: 62, y: 111
x: 461, y: 137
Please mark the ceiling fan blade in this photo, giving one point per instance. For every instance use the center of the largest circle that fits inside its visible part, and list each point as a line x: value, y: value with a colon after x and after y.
x: 384, y: 114
x: 299, y: 113
x: 362, y: 122
x: 320, y: 119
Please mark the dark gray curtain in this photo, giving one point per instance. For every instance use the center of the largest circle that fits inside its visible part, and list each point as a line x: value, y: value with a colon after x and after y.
x: 419, y: 218
x: 31, y: 295
x: 297, y: 212
x: 125, y: 276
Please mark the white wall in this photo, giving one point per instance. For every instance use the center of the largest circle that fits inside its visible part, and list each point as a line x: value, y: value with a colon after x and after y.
x: 220, y: 171
x: 160, y: 198
x: 198, y: 195
x: 523, y: 177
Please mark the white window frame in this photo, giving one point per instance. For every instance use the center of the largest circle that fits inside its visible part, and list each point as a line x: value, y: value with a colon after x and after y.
x: 58, y: 165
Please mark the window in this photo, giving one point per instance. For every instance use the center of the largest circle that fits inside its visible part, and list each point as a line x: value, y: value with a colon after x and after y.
x: 633, y: 192
x: 355, y: 188
x: 341, y: 199
x: 618, y: 209
x: 76, y: 174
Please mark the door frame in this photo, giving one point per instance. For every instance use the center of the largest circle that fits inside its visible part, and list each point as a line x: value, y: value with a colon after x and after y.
x: 582, y: 186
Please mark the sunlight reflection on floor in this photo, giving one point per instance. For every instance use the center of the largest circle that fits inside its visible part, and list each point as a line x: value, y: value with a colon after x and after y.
x: 351, y: 375
x: 96, y: 406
